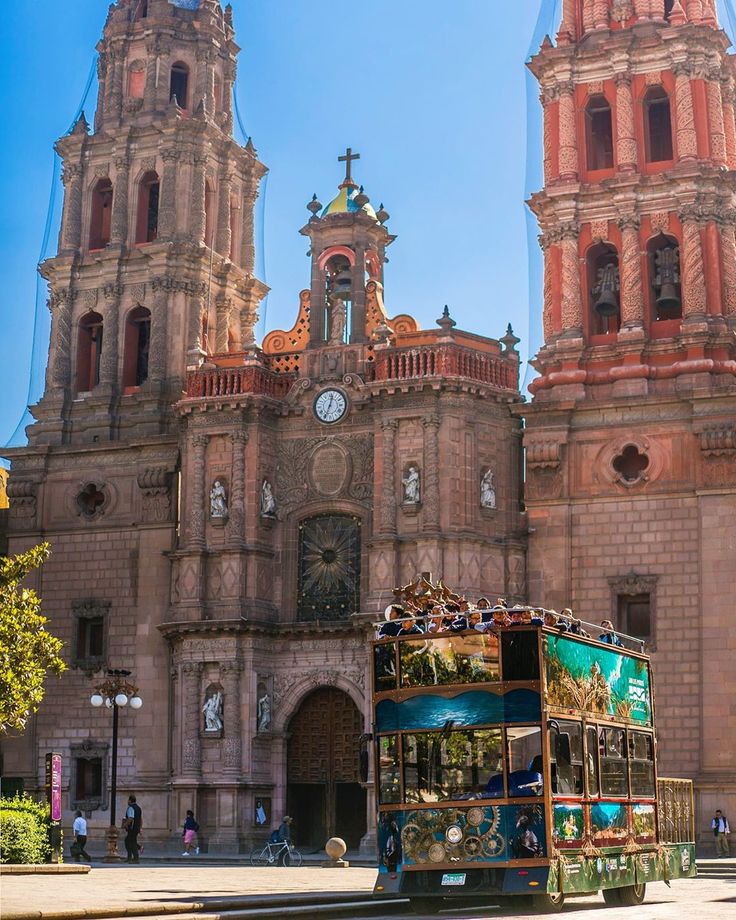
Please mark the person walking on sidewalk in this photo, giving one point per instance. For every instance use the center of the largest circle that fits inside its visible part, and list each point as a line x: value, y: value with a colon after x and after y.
x: 721, y: 830
x: 189, y: 834
x: 133, y: 824
x: 80, y: 838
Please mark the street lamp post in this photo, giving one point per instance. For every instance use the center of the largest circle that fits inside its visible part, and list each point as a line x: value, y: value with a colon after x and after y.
x: 115, y: 692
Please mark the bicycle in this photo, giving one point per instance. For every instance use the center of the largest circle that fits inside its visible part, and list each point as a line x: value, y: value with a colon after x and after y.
x: 276, y: 854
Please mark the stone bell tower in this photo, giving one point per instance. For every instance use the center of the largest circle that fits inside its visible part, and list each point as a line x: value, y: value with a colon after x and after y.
x: 156, y: 255
x: 631, y: 436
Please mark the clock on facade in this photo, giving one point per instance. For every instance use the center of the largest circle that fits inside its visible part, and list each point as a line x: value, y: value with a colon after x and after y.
x: 330, y: 406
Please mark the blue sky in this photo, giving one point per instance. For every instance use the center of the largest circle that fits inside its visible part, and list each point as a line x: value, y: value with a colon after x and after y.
x: 432, y: 94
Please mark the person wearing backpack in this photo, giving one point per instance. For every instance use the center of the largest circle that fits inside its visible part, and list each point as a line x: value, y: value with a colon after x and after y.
x: 189, y: 834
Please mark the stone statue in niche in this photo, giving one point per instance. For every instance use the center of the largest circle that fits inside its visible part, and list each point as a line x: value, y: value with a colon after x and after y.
x: 264, y: 713
x: 218, y: 500
x: 268, y: 502
x: 338, y: 319
x: 412, y: 486
x: 488, y: 490
x: 212, y: 710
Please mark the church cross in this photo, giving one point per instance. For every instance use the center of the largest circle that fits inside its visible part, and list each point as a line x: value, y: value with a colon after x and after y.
x: 348, y: 160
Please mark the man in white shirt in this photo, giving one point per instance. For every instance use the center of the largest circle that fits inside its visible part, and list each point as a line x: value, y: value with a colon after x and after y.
x: 80, y: 838
x: 721, y: 830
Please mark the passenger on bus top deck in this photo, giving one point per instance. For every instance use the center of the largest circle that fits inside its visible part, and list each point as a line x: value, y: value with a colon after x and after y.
x: 391, y: 628
x: 483, y: 604
x: 517, y: 618
x: 609, y: 636
x: 436, y: 619
x: 475, y: 620
x: 500, y: 618
x: 409, y: 625
x: 550, y: 619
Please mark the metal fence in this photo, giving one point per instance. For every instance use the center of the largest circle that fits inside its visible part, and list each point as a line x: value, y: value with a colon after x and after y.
x: 676, y: 812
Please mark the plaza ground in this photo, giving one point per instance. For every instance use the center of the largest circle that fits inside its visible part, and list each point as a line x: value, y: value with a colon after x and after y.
x: 120, y: 890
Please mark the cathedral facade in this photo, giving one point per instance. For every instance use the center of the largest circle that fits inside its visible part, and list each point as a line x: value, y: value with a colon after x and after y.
x: 228, y: 517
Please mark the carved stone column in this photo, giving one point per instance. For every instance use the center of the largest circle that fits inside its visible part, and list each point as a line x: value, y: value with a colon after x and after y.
x: 431, y: 497
x: 247, y: 246
x: 117, y: 58
x: 567, y: 31
x: 149, y: 93
x: 625, y: 134
x: 191, y: 754
x: 232, y: 738
x: 223, y: 308
x: 548, y: 307
x: 72, y: 217
x: 694, y: 10
x: 715, y: 119
x: 692, y: 269
x: 729, y: 120
x: 728, y: 265
x: 167, y: 208
x: 687, y: 142
x: 549, y: 96
x: 58, y: 375
x: 194, y: 334
x: 568, y: 133
x: 197, y: 478
x: 163, y: 87
x: 572, y: 304
x: 236, y: 521
x: 600, y: 14
x: 110, y: 340
x: 102, y: 64
x: 389, y: 427
x: 224, y: 233
x: 641, y: 9
x: 588, y: 18
x: 632, y: 290
x: 227, y: 97
x: 203, y: 80
x: 197, y: 220
x: 119, y: 222
x: 157, y: 349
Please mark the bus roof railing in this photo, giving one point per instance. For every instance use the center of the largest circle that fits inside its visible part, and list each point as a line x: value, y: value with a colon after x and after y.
x: 637, y: 643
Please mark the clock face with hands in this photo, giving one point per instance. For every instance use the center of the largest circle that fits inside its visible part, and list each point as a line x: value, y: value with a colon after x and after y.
x: 331, y: 406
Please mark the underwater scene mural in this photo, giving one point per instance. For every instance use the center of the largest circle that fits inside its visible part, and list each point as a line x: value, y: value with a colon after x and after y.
x: 597, y: 680
x: 469, y: 707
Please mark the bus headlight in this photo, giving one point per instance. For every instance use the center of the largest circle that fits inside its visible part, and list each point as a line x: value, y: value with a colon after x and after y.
x: 454, y: 834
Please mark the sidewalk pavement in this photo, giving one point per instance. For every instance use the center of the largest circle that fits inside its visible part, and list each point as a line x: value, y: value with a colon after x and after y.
x: 145, y: 887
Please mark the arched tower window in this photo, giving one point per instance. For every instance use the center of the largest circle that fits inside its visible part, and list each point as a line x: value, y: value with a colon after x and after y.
x: 605, y: 302
x: 89, y: 352
x: 100, y: 214
x: 599, y: 133
x: 657, y: 125
x: 338, y: 290
x: 329, y: 567
x: 137, y: 341
x: 148, y: 198
x: 140, y: 10
x: 664, y: 272
x: 209, y: 214
x: 218, y: 93
x: 180, y: 84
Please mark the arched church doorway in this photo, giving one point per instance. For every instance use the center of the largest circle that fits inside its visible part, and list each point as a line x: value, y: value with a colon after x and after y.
x: 324, y: 794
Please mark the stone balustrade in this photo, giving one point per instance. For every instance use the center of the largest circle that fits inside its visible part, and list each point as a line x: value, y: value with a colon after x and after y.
x: 446, y: 361
x: 219, y: 382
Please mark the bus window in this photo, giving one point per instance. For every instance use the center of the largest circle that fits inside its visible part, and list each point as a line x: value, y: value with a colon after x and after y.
x: 641, y: 764
x: 566, y: 755
x: 520, y: 652
x: 451, y: 765
x: 459, y: 659
x: 384, y: 667
x: 388, y: 769
x: 591, y: 759
x: 526, y: 774
x: 612, y: 746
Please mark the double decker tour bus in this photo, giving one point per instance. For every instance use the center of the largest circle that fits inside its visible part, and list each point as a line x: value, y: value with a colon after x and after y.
x: 520, y: 762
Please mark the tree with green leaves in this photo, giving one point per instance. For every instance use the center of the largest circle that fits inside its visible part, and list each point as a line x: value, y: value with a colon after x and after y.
x: 27, y: 650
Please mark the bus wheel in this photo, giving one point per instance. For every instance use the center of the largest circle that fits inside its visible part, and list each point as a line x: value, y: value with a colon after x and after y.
x: 632, y: 895
x: 427, y: 905
x: 612, y: 896
x: 549, y: 903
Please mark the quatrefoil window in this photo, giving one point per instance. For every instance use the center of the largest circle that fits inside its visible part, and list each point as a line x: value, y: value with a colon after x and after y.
x: 91, y: 500
x: 631, y: 464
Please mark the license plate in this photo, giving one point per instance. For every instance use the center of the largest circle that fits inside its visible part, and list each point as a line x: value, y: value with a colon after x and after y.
x: 453, y: 878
